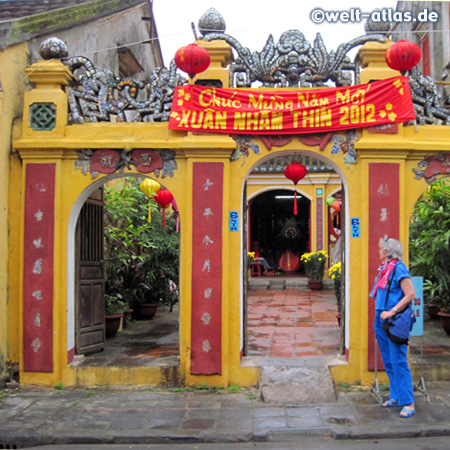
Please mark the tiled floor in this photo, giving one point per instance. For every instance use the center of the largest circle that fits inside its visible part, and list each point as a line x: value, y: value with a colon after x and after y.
x: 292, y: 323
x: 281, y: 324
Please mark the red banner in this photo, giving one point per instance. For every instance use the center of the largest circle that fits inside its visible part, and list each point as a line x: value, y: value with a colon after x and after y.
x: 265, y: 111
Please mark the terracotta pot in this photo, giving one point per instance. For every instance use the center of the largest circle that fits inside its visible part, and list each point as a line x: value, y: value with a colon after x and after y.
x: 433, y: 311
x: 145, y: 311
x: 112, y: 325
x: 315, y: 285
x: 445, y: 321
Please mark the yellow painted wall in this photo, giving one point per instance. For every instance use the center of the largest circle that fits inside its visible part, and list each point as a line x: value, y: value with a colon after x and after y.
x: 60, y: 145
x: 13, y: 61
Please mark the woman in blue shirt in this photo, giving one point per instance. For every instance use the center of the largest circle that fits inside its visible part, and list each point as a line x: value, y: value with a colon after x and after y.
x: 401, y: 294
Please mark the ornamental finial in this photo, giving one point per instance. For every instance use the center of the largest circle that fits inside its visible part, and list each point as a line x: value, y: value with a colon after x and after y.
x: 211, y: 22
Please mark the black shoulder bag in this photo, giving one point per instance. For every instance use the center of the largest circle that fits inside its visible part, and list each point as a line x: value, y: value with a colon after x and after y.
x: 398, y: 326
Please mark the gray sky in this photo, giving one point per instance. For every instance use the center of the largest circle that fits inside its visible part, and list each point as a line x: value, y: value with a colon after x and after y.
x: 251, y: 22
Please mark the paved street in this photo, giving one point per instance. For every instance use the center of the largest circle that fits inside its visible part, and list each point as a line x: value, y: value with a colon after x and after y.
x: 310, y: 443
x: 88, y: 416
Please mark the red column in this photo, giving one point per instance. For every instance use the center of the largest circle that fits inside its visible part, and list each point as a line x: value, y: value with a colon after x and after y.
x: 319, y: 223
x: 38, y: 268
x: 206, y: 318
x: 384, y: 215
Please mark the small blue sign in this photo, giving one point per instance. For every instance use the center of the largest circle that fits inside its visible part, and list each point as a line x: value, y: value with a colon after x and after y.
x: 234, y: 221
x: 355, y: 228
x: 417, y: 306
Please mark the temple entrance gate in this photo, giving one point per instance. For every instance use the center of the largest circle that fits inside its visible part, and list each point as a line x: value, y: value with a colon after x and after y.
x: 62, y: 164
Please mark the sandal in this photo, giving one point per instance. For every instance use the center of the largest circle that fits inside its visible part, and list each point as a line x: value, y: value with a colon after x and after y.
x: 406, y: 413
x: 390, y: 403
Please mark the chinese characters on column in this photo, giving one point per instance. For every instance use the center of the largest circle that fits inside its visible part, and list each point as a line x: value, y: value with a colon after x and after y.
x: 38, y: 268
x: 206, y: 332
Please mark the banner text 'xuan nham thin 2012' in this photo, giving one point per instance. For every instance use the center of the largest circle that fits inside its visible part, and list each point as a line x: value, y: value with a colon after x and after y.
x: 264, y: 111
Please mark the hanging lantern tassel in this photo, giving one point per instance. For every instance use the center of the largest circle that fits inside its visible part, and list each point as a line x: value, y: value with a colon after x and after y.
x: 295, y: 172
x: 164, y: 197
x: 149, y: 187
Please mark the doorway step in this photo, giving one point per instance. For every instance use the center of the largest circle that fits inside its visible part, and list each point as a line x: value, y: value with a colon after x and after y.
x: 282, y: 283
x: 297, y: 381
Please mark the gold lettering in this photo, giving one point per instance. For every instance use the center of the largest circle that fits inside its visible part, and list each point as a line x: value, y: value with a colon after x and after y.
x: 325, y: 117
x: 277, y: 121
x: 221, y: 120
x: 264, y: 123
x: 257, y: 104
x: 204, y: 102
x: 343, y: 98
x: 308, y: 118
x: 208, y: 122
x: 239, y: 120
x: 199, y: 122
x: 184, y: 122
x: 252, y: 121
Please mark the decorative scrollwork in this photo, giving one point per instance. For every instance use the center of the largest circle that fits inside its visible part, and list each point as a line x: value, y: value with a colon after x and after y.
x: 428, y: 104
x: 433, y: 166
x: 98, y: 94
x: 96, y: 161
x: 293, y: 62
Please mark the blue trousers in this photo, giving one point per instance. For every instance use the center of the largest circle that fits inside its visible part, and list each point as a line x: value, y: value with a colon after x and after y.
x: 395, y: 359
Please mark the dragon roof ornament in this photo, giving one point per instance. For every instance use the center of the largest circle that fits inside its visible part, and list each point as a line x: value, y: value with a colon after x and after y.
x: 293, y: 62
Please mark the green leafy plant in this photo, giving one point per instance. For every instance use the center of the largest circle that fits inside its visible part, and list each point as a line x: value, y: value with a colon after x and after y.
x: 234, y: 388
x: 114, y: 304
x: 335, y: 274
x: 314, y: 264
x: 59, y: 386
x: 429, y: 243
x: 140, y: 257
x: 88, y: 394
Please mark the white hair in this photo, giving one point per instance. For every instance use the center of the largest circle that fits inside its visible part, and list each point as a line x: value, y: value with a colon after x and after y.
x: 393, y: 248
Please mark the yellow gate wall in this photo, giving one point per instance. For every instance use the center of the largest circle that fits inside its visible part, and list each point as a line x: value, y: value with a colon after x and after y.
x: 11, y: 103
x: 406, y: 148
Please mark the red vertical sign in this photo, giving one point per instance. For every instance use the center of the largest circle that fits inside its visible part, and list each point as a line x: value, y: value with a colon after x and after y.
x: 206, y: 323
x: 38, y: 268
x: 319, y: 223
x: 384, y: 206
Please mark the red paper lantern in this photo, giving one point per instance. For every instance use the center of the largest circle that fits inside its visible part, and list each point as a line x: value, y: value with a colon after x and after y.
x: 295, y: 172
x: 164, y: 198
x: 336, y: 206
x: 403, y: 56
x: 192, y: 59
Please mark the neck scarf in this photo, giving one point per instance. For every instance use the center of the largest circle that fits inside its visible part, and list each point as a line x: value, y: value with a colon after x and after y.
x: 383, y: 277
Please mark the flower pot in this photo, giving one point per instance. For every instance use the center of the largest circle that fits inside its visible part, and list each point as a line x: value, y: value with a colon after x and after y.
x: 112, y: 325
x: 445, y: 321
x: 315, y: 285
x: 433, y: 311
x: 127, y: 316
x: 145, y: 311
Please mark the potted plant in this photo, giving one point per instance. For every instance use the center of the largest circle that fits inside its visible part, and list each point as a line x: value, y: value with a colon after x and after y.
x: 136, y: 250
x: 430, y: 247
x: 335, y: 274
x: 114, y: 306
x: 250, y: 259
x: 314, y: 264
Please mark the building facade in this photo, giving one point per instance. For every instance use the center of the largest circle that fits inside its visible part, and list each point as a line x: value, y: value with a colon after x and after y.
x: 86, y: 27
x: 377, y: 170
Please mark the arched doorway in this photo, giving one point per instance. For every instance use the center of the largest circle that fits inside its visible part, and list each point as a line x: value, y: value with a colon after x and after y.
x: 273, y: 228
x: 275, y: 232
x: 121, y: 254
